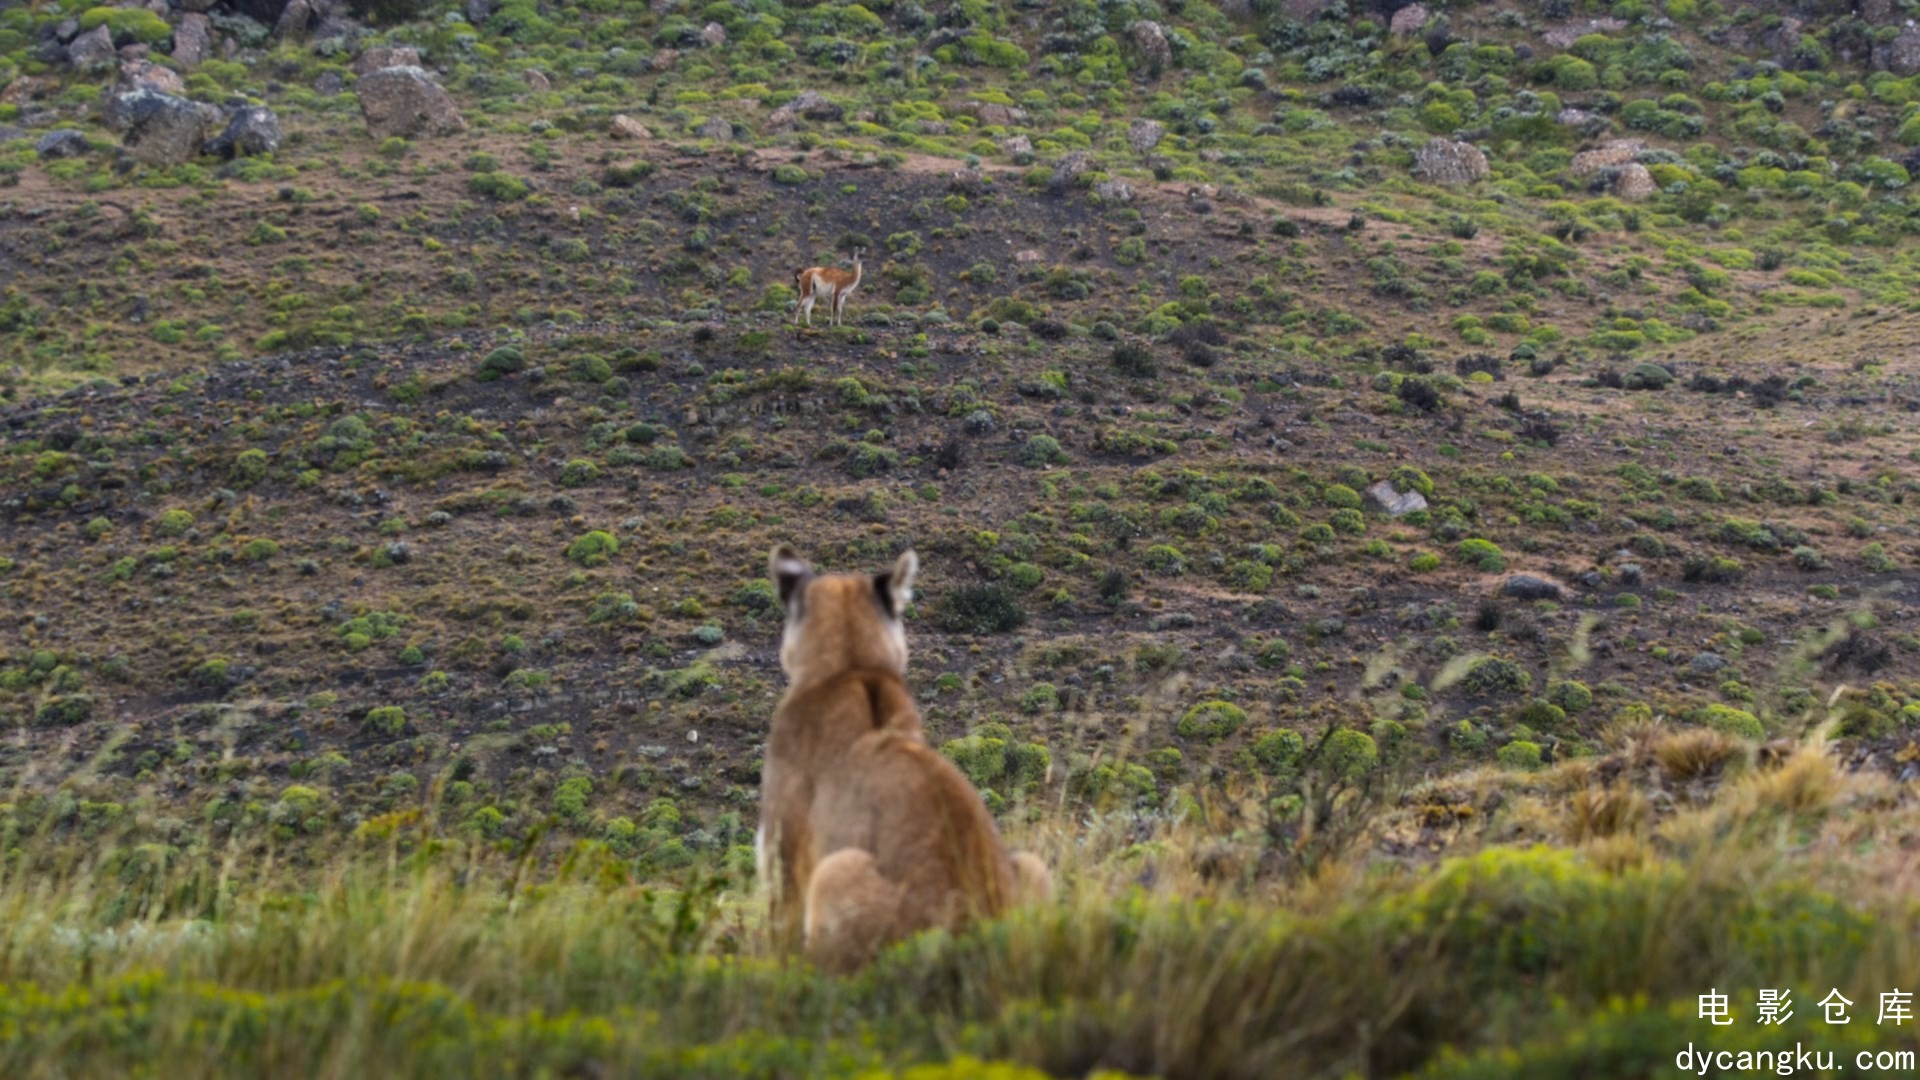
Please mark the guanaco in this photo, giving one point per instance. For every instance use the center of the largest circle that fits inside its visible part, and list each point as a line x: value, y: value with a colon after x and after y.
x: 829, y: 281
x: 867, y: 833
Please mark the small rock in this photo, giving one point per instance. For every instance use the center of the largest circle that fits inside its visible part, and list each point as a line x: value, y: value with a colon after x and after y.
x: 1633, y: 181
x: 1563, y: 37
x: 1903, y: 52
x: 1444, y: 161
x: 537, y: 81
x: 64, y: 143
x: 1395, y: 503
x: 192, y: 40
x: 814, y: 105
x: 1026, y: 256
x: 665, y: 59
x: 1409, y: 20
x: 250, y: 131
x: 28, y: 88
x: 405, y: 101
x: 994, y: 114
x: 1070, y: 169
x: 1706, y: 663
x: 385, y: 56
x: 1017, y: 144
x: 715, y: 128
x: 92, y: 49
x: 1151, y: 39
x: 1143, y: 135
x: 713, y: 35
x: 295, y: 20
x: 329, y: 83
x: 626, y: 127
x: 1615, y: 153
x: 1531, y: 587
x: 479, y: 11
x: 1114, y: 191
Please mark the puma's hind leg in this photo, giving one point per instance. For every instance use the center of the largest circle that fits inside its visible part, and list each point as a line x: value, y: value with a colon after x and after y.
x: 1032, y: 881
x: 851, y: 910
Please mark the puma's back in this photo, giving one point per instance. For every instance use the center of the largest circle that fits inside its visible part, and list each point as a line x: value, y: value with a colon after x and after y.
x: 870, y: 833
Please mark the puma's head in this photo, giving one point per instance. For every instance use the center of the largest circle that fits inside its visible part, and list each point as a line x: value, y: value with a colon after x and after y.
x: 841, y: 622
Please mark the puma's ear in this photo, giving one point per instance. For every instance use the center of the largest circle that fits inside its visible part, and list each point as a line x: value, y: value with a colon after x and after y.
x: 895, y: 587
x: 788, y: 572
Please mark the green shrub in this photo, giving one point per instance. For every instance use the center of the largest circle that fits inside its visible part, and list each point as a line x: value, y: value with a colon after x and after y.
x: 1572, y: 696
x: 1520, y: 755
x: 1493, y: 675
x: 249, y: 468
x: 1730, y: 721
x: 1278, y: 751
x: 1481, y: 553
x: 498, y: 186
x: 981, y: 609
x: 1041, y: 451
x: 127, y: 25
x: 1349, y: 755
x: 594, y: 548
x: 388, y: 720
x: 982, y: 759
x: 1211, y: 720
x: 504, y: 360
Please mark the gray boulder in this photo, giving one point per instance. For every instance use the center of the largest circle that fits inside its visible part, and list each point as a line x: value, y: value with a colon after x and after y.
x: 1069, y: 170
x: 405, y: 101
x: 1706, y: 663
x: 192, y: 40
x: 1143, y: 135
x: 385, y: 56
x: 92, y: 49
x: 250, y: 131
x: 64, y: 143
x: 163, y: 130
x: 1395, y: 503
x: 1444, y: 161
x: 1530, y: 587
x: 1903, y: 52
x: 1409, y: 20
x: 1150, y: 38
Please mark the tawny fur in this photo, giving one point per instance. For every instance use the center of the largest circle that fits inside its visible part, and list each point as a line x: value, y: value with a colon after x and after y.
x: 868, y: 834
x: 831, y: 282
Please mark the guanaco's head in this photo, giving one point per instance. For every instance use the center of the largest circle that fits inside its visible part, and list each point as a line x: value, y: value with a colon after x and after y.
x: 856, y: 255
x: 841, y: 622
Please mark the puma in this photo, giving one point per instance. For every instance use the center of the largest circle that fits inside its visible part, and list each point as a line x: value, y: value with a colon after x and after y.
x: 867, y: 834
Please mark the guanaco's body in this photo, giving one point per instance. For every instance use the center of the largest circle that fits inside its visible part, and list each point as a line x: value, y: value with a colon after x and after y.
x: 830, y: 282
x: 867, y: 834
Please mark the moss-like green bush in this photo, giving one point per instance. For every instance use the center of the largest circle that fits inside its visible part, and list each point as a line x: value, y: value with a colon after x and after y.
x: 594, y: 548
x: 1212, y: 720
x: 1730, y: 721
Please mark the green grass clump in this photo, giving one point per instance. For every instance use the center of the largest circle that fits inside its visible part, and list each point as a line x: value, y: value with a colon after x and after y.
x: 1212, y: 720
x: 594, y: 548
